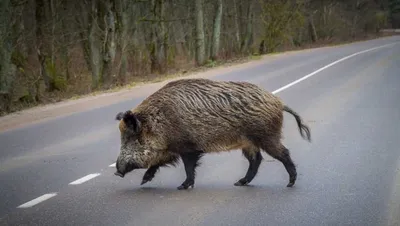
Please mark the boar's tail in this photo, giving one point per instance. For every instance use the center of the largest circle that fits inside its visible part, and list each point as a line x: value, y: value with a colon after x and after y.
x: 302, y: 127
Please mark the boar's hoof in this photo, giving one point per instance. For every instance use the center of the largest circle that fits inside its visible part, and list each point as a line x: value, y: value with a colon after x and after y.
x: 292, y: 180
x: 185, y: 186
x: 145, y: 181
x: 241, y: 182
x: 290, y: 184
x: 119, y: 174
x: 146, y: 178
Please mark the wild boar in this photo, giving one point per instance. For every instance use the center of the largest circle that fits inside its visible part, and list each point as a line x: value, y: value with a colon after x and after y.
x: 188, y: 118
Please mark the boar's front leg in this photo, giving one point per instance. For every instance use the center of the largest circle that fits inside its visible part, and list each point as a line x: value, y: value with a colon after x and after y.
x: 171, y: 160
x: 150, y: 173
x: 190, y: 161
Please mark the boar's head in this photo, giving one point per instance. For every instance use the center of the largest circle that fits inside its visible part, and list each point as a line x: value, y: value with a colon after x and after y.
x: 133, y: 155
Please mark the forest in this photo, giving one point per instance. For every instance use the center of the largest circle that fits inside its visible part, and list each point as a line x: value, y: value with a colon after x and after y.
x: 52, y: 50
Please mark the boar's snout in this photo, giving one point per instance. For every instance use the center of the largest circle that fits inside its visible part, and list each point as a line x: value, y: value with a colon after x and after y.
x: 119, y: 174
x: 123, y: 166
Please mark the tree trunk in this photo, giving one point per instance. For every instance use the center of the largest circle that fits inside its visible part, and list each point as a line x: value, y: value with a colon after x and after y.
x: 52, y: 15
x: 216, y: 31
x: 261, y: 48
x: 159, y: 37
x: 200, y: 43
x: 7, y: 69
x: 162, y: 53
x: 249, y: 28
x: 122, y: 9
x: 65, y: 43
x: 43, y: 52
x: 109, y: 48
x: 155, y: 64
x: 94, y: 47
x: 237, y: 27
x: 313, y: 31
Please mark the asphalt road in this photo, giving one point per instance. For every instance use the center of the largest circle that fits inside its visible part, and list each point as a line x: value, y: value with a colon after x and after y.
x: 348, y: 175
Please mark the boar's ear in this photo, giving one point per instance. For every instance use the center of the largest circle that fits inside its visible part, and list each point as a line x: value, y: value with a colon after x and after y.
x: 119, y: 116
x: 131, y: 121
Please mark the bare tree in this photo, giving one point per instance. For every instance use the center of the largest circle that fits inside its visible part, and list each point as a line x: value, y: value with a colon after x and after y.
x: 236, y: 21
x: 44, y: 42
x: 216, y: 31
x: 107, y: 12
x: 200, y: 41
x: 123, y: 8
x: 7, y: 69
x: 247, y: 40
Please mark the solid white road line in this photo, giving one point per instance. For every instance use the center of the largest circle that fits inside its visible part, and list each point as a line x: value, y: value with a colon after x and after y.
x: 85, y: 178
x: 37, y: 200
x: 112, y: 165
x: 327, y: 66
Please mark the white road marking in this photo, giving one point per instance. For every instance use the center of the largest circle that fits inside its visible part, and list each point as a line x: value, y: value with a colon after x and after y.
x: 112, y: 165
x: 37, y: 200
x: 327, y: 66
x: 85, y: 178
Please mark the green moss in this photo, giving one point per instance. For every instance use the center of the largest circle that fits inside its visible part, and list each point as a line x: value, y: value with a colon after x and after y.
x: 57, y: 81
x: 211, y: 63
x: 18, y: 59
x: 255, y: 57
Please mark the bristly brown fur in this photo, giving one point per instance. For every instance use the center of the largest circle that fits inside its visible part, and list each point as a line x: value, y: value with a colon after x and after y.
x: 205, y: 116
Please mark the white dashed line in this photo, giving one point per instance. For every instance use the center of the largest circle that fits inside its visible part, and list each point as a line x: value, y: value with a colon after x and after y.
x: 112, y: 165
x: 37, y: 200
x: 85, y: 178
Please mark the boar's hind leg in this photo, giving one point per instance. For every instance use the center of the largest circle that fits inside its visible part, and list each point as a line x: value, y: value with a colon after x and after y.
x: 190, y: 161
x: 253, y: 155
x: 278, y: 151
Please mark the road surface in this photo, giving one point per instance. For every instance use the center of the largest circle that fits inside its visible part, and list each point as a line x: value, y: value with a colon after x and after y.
x: 58, y: 171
